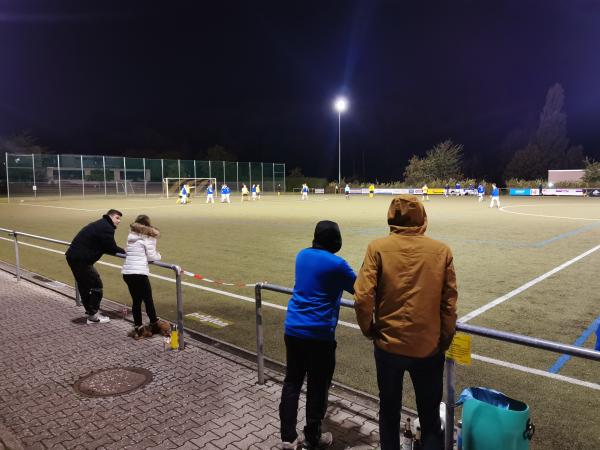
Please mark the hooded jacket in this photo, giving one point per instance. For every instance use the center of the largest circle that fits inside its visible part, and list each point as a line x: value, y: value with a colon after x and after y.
x: 141, y: 248
x: 94, y: 240
x: 406, y: 291
x: 321, y: 277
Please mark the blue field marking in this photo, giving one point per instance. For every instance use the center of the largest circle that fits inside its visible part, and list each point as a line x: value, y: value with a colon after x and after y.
x: 562, y: 360
x: 568, y: 234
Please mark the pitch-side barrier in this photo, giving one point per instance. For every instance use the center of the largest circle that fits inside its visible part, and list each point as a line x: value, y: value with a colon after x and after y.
x: 513, y: 338
x: 175, y: 268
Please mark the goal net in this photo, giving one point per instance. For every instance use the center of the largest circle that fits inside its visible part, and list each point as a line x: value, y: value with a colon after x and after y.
x: 172, y: 186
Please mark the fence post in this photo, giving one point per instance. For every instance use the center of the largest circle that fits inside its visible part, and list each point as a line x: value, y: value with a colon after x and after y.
x: 237, y: 176
x: 125, y: 176
x: 59, y: 185
x: 262, y: 175
x: 82, y: 178
x: 17, y: 257
x: 177, y: 270
x: 33, y: 173
x: 250, y: 173
x: 450, y: 403
x: 273, y: 177
x: 104, y: 172
x: 260, y: 340
x: 144, y: 162
x: 7, y: 182
x: 224, y: 177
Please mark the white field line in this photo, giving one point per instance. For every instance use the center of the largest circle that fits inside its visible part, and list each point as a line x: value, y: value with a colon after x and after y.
x: 541, y: 373
x: 526, y: 286
x: 96, y: 210
x: 185, y: 283
x: 493, y: 361
x: 503, y: 209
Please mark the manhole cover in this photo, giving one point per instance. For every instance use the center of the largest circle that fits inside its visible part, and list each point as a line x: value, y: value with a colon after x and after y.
x: 108, y: 382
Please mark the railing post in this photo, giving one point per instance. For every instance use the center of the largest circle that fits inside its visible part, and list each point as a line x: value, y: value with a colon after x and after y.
x: 17, y: 257
x: 450, y: 404
x: 260, y: 340
x: 179, y: 307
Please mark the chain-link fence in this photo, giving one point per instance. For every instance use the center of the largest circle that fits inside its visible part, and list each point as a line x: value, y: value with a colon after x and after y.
x: 35, y: 175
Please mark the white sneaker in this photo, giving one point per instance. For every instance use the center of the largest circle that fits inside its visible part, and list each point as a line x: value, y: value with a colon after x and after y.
x: 293, y: 445
x: 97, y: 318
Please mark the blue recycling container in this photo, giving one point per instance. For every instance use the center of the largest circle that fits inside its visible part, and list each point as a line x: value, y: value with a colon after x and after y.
x: 494, y: 421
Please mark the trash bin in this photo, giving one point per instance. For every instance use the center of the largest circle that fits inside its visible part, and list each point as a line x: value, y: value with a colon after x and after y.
x: 494, y: 421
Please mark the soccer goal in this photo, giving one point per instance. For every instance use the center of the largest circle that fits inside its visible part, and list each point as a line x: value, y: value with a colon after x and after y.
x: 124, y: 187
x: 172, y: 186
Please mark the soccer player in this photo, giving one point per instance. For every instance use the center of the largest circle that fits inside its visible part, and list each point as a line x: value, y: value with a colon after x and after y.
x: 495, y: 196
x: 183, y: 194
x: 278, y: 189
x: 447, y: 191
x: 244, y: 192
x: 225, y: 191
x: 253, y: 189
x: 371, y: 190
x: 304, y: 192
x: 480, y: 192
x: 457, y: 188
x: 347, y: 191
x: 210, y: 197
x: 425, y: 190
x: 258, y: 191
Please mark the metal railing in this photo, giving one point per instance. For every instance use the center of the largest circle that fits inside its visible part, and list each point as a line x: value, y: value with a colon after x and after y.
x: 175, y: 268
x: 513, y: 338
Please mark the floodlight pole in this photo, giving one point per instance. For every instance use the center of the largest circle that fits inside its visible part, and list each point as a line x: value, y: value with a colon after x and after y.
x: 340, y: 149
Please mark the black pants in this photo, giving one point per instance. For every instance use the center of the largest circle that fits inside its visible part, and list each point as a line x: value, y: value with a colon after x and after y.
x: 315, y: 360
x: 89, y: 285
x: 141, y: 291
x: 427, y: 378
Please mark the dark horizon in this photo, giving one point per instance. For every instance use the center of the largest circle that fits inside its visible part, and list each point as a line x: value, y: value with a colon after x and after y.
x: 259, y: 79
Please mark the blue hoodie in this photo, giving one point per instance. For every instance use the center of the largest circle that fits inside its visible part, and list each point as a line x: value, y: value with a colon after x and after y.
x: 314, y: 308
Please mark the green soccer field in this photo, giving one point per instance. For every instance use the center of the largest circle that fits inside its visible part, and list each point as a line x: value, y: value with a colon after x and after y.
x: 500, y: 255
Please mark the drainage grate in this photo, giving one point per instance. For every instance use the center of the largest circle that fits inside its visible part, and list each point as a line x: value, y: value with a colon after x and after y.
x: 112, y: 382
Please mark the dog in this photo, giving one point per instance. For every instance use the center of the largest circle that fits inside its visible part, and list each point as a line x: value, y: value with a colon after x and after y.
x: 161, y: 327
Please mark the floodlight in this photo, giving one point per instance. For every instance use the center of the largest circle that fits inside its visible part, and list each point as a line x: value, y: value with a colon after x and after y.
x: 340, y: 104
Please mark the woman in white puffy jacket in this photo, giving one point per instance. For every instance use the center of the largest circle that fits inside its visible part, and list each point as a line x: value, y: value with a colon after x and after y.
x: 141, y: 248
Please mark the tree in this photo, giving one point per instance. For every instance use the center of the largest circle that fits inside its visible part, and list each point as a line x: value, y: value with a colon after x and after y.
x: 442, y: 162
x: 219, y: 153
x: 549, y: 147
x: 296, y: 172
x: 21, y: 143
x: 592, y: 172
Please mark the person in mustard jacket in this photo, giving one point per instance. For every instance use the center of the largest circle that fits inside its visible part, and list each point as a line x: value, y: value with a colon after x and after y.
x: 406, y: 297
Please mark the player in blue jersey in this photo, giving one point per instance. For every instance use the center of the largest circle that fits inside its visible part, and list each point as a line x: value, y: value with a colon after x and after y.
x: 304, y: 192
x: 253, y: 191
x: 225, y: 191
x: 480, y: 192
x: 495, y: 197
x: 210, y: 194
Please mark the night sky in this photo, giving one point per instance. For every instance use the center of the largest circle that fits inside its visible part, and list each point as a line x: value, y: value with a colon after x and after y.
x: 259, y: 78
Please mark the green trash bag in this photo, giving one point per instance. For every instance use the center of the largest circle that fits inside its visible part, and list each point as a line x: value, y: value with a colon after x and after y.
x: 493, y: 421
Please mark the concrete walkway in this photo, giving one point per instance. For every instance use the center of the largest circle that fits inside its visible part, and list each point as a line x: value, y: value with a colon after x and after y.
x: 198, y: 398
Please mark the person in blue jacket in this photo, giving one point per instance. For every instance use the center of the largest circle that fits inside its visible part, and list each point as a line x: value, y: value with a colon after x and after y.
x: 310, y: 323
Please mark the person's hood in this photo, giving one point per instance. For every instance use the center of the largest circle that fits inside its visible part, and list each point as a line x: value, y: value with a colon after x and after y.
x: 109, y: 220
x: 144, y: 230
x: 327, y: 236
x: 407, y: 215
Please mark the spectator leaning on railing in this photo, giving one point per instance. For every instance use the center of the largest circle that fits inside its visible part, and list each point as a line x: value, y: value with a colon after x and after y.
x: 406, y: 296
x: 94, y: 240
x: 310, y: 323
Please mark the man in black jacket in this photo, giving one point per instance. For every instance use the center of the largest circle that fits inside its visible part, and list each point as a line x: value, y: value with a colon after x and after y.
x: 94, y: 240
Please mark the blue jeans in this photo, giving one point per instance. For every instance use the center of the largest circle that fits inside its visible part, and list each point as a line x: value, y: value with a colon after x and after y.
x: 427, y: 378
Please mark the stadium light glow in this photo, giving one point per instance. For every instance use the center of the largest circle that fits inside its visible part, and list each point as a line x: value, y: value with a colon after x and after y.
x: 550, y: 184
x: 341, y: 105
